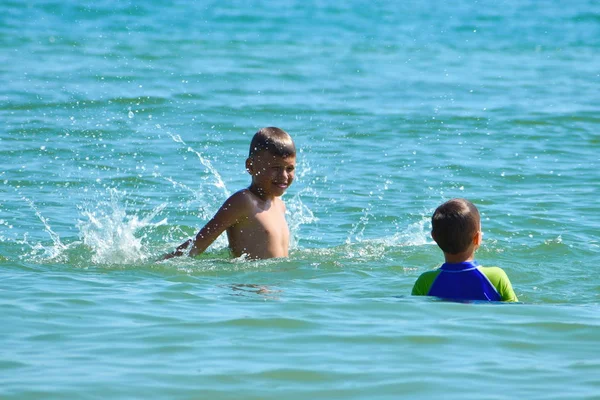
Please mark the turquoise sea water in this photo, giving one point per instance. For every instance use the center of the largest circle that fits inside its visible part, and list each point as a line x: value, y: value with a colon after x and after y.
x: 125, y: 125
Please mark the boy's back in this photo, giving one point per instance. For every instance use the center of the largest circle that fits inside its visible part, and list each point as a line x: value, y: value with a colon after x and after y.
x: 456, y: 228
x: 468, y: 281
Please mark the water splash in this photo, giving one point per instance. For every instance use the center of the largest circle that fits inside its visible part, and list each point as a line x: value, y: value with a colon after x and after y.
x: 415, y: 234
x: 218, y: 180
x: 358, y: 229
x: 298, y: 214
x: 53, y: 252
x: 209, y: 200
x: 112, y: 234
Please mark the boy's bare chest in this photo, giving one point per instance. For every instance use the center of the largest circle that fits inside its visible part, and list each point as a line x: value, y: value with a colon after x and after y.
x: 268, y: 223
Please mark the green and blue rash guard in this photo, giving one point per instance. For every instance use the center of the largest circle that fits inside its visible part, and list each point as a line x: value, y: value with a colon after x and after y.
x: 465, y: 281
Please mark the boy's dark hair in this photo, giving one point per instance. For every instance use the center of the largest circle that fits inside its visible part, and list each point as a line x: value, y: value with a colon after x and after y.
x: 274, y: 140
x: 454, y: 224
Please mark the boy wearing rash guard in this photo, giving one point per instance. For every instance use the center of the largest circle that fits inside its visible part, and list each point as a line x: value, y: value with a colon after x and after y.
x: 456, y: 228
x: 254, y: 218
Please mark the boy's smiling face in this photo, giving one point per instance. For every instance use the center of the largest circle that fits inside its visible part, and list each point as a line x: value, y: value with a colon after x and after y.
x: 271, y: 174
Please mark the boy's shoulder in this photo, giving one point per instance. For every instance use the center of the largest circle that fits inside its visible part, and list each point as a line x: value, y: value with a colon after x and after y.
x: 241, y: 195
x: 247, y: 197
x: 430, y: 274
x: 494, y: 274
x: 424, y: 282
x: 498, y: 277
x: 241, y: 198
x: 245, y: 202
x: 237, y: 206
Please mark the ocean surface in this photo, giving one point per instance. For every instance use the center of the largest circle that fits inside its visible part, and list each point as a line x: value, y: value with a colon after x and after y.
x: 125, y: 125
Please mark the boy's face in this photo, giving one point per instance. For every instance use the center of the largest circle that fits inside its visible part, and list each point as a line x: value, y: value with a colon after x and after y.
x: 271, y: 174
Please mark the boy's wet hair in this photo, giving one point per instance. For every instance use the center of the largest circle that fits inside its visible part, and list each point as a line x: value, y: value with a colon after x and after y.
x: 454, y: 224
x: 274, y: 140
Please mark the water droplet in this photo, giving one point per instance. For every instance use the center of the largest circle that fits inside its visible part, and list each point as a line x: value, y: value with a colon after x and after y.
x: 131, y: 114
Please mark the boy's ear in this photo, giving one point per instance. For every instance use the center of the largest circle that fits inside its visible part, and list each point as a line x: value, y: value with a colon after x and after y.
x: 249, y: 166
x: 477, y: 238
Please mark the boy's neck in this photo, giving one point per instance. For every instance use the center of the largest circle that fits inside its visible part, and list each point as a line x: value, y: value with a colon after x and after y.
x: 258, y: 192
x: 460, y: 257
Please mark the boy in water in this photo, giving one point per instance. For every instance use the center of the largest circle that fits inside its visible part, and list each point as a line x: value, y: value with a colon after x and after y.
x: 456, y: 228
x: 254, y: 218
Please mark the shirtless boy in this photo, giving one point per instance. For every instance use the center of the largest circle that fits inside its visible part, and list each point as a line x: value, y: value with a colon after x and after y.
x: 254, y: 218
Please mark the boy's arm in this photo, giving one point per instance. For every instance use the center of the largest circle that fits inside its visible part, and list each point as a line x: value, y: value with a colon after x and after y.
x: 234, y: 208
x: 499, y: 279
x: 178, y: 251
x: 417, y: 289
x: 506, y: 290
x: 424, y: 282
